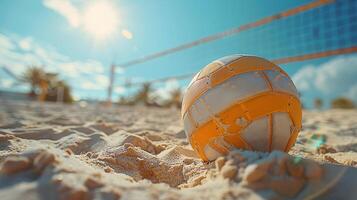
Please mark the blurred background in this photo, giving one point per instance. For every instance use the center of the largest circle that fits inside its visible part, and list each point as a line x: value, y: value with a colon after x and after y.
x: 146, y: 52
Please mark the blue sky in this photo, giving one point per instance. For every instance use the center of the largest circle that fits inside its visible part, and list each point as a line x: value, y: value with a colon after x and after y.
x: 53, y: 33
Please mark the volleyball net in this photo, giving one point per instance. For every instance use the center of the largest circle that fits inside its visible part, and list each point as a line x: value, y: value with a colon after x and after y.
x: 318, y: 29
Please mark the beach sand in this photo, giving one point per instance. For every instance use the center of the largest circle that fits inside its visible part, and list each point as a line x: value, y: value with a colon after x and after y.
x: 54, y: 151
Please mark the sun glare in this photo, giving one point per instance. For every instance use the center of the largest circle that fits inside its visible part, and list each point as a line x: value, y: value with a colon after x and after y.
x: 127, y: 34
x: 100, y: 19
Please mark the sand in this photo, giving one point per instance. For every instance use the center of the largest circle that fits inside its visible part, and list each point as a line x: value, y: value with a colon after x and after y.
x: 54, y: 151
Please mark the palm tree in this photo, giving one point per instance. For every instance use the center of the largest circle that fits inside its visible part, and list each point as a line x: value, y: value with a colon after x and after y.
x: 125, y: 101
x: 175, y: 98
x: 48, y: 84
x: 59, y: 91
x: 342, y: 102
x: 318, y: 103
x: 34, y: 75
x: 143, y: 94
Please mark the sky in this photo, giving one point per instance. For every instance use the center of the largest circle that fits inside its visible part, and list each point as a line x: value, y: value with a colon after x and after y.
x: 80, y: 39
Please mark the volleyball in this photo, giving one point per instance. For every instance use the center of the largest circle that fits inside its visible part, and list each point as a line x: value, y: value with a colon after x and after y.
x: 244, y: 102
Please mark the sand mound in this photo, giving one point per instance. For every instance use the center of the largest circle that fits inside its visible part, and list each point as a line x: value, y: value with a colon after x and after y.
x: 140, y: 153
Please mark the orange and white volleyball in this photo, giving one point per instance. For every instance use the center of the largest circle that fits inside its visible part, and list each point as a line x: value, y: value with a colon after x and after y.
x: 241, y: 101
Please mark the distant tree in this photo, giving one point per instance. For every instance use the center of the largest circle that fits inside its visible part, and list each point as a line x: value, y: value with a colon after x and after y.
x: 318, y: 103
x: 46, y: 86
x: 59, y: 91
x: 34, y: 75
x: 126, y: 101
x: 342, y: 102
x: 175, y: 98
x: 48, y: 81
x: 143, y: 96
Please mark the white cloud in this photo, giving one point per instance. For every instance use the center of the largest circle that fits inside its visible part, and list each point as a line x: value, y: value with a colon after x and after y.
x: 6, y: 83
x: 92, y: 66
x: 5, y: 42
x: 89, y: 85
x: 336, y: 77
x: 86, y: 17
x: 100, y: 82
x: 66, y: 9
x: 119, y: 90
x: 25, y: 44
x: 75, y: 68
x: 302, y: 79
x: 119, y: 70
x: 17, y: 61
x: 165, y: 91
x: 70, y: 69
x: 18, y: 53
